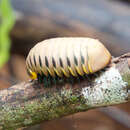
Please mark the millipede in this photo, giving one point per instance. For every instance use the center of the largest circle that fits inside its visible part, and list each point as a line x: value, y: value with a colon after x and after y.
x: 66, y: 57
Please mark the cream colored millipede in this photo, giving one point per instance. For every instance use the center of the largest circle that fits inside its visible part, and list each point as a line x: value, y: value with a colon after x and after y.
x: 67, y: 56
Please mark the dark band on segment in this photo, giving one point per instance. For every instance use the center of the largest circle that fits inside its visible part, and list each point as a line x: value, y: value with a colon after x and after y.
x: 61, y: 64
x: 82, y: 59
x: 30, y: 61
x: 75, y: 61
x: 53, y: 62
x: 68, y: 62
x: 46, y: 62
x: 40, y: 61
x: 34, y: 60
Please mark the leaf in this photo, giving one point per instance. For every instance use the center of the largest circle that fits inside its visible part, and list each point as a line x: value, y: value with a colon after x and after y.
x: 6, y: 23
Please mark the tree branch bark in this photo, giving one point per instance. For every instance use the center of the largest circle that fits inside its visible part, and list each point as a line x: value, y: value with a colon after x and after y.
x: 29, y: 103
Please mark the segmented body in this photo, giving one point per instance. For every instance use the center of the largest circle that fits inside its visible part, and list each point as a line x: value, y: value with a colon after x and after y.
x: 67, y: 57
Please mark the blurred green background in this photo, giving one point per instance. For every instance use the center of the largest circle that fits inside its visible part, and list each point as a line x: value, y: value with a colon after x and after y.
x: 6, y: 23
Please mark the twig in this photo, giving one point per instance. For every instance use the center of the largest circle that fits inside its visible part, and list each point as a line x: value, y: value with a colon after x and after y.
x: 31, y: 103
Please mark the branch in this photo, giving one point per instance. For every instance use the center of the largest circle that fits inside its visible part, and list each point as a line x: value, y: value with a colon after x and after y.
x: 29, y: 103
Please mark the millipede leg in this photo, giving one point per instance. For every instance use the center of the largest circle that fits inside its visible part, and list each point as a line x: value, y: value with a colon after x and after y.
x: 39, y: 77
x: 49, y: 81
x: 45, y: 82
x: 60, y: 80
x: 77, y: 79
x: 54, y: 81
x: 95, y: 74
x: 88, y: 78
x: 83, y: 77
x: 71, y: 80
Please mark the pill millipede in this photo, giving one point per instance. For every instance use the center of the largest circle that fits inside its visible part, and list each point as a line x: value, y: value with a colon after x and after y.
x: 66, y: 59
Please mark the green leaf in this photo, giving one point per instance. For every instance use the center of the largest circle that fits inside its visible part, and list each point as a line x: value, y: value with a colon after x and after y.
x: 6, y: 23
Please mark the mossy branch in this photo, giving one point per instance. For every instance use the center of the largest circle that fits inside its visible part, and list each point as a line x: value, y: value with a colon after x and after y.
x: 30, y: 103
